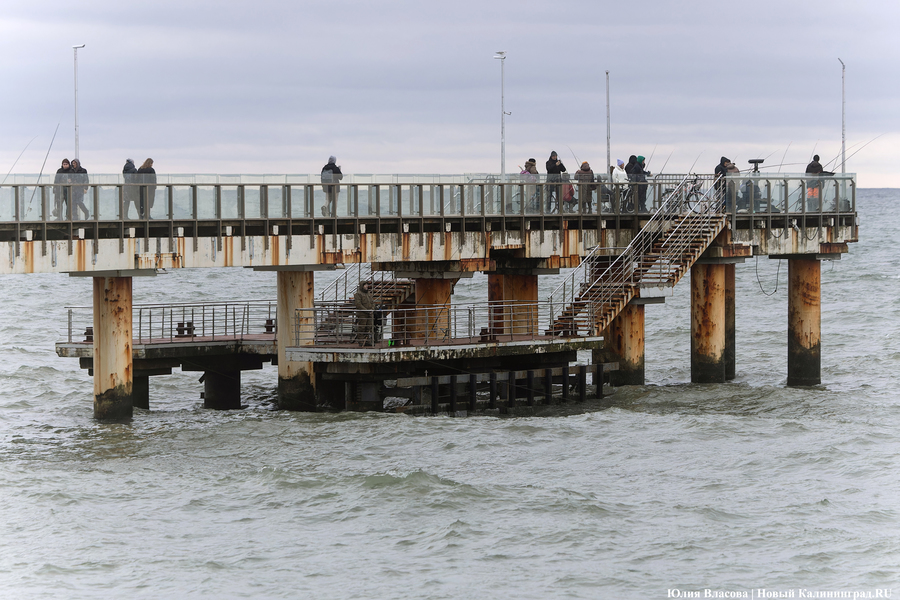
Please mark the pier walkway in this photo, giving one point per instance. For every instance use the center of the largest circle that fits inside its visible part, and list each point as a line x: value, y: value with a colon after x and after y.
x: 413, y: 238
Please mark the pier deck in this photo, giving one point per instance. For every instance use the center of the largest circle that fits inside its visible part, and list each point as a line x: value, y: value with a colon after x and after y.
x: 412, y: 239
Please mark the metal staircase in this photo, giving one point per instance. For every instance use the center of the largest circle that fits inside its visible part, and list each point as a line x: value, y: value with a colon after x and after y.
x: 658, y: 256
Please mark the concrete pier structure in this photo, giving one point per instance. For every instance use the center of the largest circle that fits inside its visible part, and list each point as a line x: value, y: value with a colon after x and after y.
x: 624, y: 343
x: 296, y: 379
x: 804, y: 363
x: 417, y: 237
x: 113, y: 375
x: 514, y: 298
x: 708, y: 324
x: 730, y: 322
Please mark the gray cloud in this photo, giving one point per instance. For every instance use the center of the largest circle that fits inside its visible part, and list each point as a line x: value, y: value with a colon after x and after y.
x: 412, y: 87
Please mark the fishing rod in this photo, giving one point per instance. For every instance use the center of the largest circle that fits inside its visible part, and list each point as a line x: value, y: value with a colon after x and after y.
x: 813, y: 153
x: 691, y: 170
x: 573, y: 154
x: 647, y: 164
x: 37, y: 183
x: 17, y: 159
x: 863, y: 146
x: 853, y: 146
x: 665, y: 163
x: 785, y: 155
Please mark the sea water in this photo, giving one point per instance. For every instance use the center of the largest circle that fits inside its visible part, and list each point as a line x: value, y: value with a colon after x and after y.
x: 664, y: 490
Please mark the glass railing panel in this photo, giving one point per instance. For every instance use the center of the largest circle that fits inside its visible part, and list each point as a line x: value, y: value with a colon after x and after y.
x: 107, y: 202
x: 275, y: 201
x: 230, y: 196
x: 300, y: 199
x: 32, y: 204
x: 252, y: 202
x: 7, y: 203
x: 182, y: 202
x: 453, y: 199
x: 206, y: 202
x: 366, y: 200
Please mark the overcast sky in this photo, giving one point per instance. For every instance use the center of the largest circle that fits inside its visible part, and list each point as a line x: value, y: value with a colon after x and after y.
x: 412, y: 86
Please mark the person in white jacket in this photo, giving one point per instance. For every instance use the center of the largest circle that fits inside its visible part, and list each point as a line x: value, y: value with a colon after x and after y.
x: 620, y: 181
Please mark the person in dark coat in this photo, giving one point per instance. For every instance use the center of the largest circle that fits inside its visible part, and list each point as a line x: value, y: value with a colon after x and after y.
x: 364, y: 303
x: 61, y: 190
x: 331, y: 175
x: 585, y: 176
x: 555, y: 169
x: 131, y: 193
x: 815, y: 167
x: 79, y: 178
x: 146, y: 175
x: 720, y: 172
x: 639, y: 176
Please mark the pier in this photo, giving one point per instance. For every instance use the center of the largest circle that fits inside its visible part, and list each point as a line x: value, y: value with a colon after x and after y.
x: 412, y: 238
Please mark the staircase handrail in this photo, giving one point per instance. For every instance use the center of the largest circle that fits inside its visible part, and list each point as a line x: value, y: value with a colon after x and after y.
x: 621, y: 272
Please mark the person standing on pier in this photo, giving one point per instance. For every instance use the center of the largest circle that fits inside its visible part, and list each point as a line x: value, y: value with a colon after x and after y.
x: 584, y: 176
x: 129, y: 173
x: 365, y: 314
x: 639, y: 176
x: 555, y: 169
x: 620, y: 189
x: 79, y: 178
x: 147, y: 176
x: 720, y: 172
x: 61, y: 190
x: 815, y: 167
x: 331, y: 174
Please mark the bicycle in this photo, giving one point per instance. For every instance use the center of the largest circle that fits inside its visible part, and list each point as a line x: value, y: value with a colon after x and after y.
x: 689, y: 200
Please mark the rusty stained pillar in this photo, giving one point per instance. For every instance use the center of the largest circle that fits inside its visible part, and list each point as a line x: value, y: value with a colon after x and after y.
x: 708, y: 323
x: 804, y: 322
x: 730, y: 347
x: 113, y: 367
x: 432, y: 311
x: 623, y: 342
x: 296, y: 380
x: 504, y: 293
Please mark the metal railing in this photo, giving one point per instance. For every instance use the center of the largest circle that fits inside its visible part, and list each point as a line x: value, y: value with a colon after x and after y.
x: 423, y: 325
x: 342, y: 288
x: 158, y: 323
x: 215, y: 198
x: 586, y: 300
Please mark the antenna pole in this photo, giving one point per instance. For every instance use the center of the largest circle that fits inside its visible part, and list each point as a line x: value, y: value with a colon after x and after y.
x: 608, y: 159
x: 843, y: 122
x: 75, y: 50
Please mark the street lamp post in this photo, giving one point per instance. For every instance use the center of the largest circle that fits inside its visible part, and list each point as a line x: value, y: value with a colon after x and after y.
x: 608, y: 157
x: 75, y: 50
x: 843, y: 126
x: 501, y: 55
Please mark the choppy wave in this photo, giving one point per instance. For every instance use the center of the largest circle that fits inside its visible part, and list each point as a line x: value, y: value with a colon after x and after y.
x: 667, y: 485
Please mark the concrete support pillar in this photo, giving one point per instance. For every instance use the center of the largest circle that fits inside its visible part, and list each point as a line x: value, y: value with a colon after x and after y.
x: 804, y: 322
x: 113, y: 384
x: 296, y: 380
x: 433, y: 321
x: 514, y: 304
x: 222, y: 384
x: 730, y: 347
x: 624, y: 343
x: 140, y: 392
x: 708, y: 323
